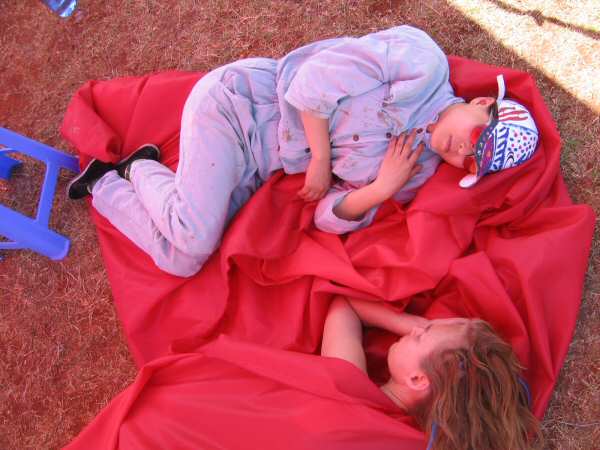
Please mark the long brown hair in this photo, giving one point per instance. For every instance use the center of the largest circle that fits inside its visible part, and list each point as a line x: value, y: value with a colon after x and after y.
x: 477, y: 401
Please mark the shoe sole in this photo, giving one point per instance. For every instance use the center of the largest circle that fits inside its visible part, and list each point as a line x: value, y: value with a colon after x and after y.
x: 79, y: 177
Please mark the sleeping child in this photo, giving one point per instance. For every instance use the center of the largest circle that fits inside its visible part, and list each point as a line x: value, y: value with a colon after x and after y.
x: 367, y: 119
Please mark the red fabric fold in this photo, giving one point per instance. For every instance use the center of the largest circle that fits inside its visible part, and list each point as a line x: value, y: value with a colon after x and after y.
x: 512, y: 250
x: 212, y: 399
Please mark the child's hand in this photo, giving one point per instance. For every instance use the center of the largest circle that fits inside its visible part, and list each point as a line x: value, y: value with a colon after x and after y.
x: 317, y: 181
x: 399, y: 164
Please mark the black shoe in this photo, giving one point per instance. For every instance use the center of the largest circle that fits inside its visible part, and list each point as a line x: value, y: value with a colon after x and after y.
x: 146, y: 151
x: 81, y: 185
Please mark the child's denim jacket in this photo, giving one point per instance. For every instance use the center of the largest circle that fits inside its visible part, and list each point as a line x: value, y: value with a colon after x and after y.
x: 370, y: 88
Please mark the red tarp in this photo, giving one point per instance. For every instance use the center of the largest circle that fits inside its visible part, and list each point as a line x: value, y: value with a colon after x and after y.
x: 226, y: 356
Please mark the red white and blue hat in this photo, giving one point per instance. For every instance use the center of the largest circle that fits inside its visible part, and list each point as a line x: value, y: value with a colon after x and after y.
x: 509, y: 139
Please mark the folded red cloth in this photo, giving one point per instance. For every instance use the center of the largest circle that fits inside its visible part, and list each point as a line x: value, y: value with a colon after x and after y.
x: 512, y: 250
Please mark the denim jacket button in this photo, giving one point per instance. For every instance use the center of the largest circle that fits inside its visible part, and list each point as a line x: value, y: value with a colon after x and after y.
x: 355, y: 137
x: 388, y: 135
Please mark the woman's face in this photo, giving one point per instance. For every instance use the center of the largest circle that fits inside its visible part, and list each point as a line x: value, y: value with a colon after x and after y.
x: 405, y: 355
x: 451, y: 134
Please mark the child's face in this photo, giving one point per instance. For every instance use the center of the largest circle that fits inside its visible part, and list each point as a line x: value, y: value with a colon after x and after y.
x: 451, y: 135
x: 405, y: 356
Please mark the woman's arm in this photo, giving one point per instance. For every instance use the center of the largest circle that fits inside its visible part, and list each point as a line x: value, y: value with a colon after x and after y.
x: 383, y: 315
x: 399, y: 165
x: 342, y: 335
x: 318, y: 174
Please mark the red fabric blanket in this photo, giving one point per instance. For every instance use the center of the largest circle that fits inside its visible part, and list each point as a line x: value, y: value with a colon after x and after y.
x: 227, y: 357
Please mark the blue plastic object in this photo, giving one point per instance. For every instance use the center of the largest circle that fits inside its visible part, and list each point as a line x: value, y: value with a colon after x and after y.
x: 22, y: 231
x: 62, y: 8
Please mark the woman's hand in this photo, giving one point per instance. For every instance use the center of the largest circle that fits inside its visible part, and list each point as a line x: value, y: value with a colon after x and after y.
x: 399, y: 164
x: 406, y: 322
x: 317, y: 181
x: 386, y: 316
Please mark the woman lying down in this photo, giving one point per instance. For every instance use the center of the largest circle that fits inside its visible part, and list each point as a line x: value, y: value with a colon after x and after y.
x: 457, y: 377
x: 454, y: 376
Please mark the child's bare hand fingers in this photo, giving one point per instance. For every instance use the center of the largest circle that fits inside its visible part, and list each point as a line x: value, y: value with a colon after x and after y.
x: 312, y: 194
x: 393, y: 144
x: 415, y: 170
x: 399, y: 145
x: 408, y: 143
x: 417, y: 153
x: 314, y: 197
x: 304, y: 192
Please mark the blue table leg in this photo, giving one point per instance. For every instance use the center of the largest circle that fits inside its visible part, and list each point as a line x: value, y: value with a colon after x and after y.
x: 30, y: 234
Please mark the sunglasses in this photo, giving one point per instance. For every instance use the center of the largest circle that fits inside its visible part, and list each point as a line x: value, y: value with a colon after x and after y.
x: 469, y: 163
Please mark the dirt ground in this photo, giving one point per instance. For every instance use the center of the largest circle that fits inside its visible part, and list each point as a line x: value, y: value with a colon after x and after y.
x: 63, y: 353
